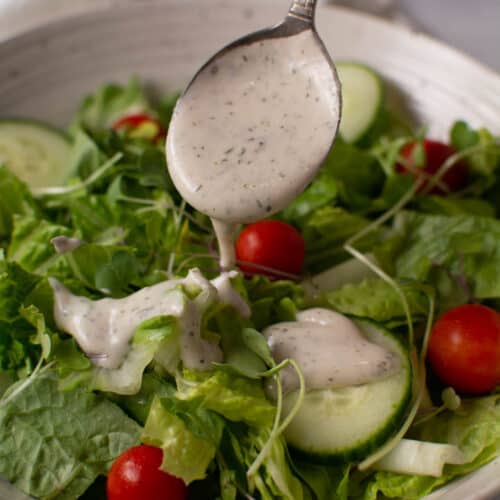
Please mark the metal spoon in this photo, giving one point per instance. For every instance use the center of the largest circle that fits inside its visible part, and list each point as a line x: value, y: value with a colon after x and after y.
x: 255, y: 123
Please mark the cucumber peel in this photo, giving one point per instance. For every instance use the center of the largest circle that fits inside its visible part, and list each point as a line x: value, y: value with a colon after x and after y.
x: 347, y: 424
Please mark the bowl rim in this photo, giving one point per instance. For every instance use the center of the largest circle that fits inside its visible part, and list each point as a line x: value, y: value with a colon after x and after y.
x: 66, y: 21
x: 95, y: 9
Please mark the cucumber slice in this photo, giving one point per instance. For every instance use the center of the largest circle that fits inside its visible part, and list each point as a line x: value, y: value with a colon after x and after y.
x: 37, y: 153
x: 362, y: 99
x: 341, y: 425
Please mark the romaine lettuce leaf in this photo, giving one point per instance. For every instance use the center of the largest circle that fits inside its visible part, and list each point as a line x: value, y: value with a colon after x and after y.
x: 188, y: 435
x: 376, y: 299
x: 72, y: 437
x: 235, y: 398
x: 75, y: 369
x: 30, y: 244
x: 474, y: 428
x: 464, y: 247
x: 421, y: 458
x: 110, y: 269
x: 138, y: 405
x: 20, y: 292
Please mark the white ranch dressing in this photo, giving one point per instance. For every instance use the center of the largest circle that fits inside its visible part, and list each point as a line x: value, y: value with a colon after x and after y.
x: 104, y: 328
x: 330, y: 350
x: 236, y: 149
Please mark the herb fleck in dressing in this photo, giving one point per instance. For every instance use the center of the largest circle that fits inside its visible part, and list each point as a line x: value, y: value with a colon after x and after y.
x: 104, y: 328
x: 237, y: 148
x: 330, y: 350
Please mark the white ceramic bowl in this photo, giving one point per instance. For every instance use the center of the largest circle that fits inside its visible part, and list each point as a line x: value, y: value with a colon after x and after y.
x: 46, y: 71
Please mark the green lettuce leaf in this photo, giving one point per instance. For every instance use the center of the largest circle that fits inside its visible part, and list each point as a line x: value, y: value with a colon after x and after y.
x: 325, y: 233
x: 97, y: 220
x: 322, y: 190
x: 474, y: 428
x: 15, y: 199
x: 376, y: 299
x: 139, y: 404
x: 275, y: 477
x: 188, y: 435
x: 271, y: 301
x: 463, y: 247
x: 75, y: 369
x: 100, y: 109
x: 483, y: 162
x: 441, y: 205
x: 7, y: 378
x: 325, y: 481
x: 111, y: 269
x: 238, y: 354
x: 30, y: 244
x: 357, y: 172
x: 15, y: 285
x: 22, y: 325
x: 235, y: 398
x: 73, y: 437
x: 85, y: 156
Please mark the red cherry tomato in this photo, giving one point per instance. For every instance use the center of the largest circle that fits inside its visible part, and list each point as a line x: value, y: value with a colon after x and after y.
x: 270, y: 245
x: 129, y: 123
x: 464, y: 348
x: 436, y: 153
x: 135, y: 475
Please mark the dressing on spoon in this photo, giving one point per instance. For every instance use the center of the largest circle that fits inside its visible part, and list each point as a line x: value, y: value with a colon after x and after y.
x: 254, y: 125
x: 249, y: 133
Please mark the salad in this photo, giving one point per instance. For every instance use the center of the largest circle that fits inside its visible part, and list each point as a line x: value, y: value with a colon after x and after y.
x: 398, y: 236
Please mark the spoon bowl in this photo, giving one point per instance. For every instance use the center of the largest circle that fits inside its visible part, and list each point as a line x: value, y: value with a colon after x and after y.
x: 256, y: 122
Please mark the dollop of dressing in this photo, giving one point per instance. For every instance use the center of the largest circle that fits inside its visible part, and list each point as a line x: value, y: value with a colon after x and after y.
x: 237, y: 149
x: 330, y: 350
x: 104, y: 328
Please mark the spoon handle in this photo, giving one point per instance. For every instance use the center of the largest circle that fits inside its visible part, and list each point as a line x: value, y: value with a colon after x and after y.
x: 303, y: 9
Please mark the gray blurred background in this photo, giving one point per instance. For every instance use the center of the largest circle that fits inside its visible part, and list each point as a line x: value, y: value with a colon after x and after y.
x: 472, y: 26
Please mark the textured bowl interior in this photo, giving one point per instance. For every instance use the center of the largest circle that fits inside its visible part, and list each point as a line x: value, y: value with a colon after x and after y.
x: 46, y: 71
